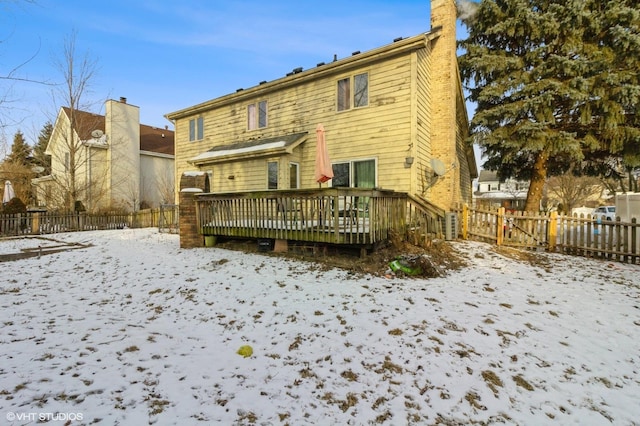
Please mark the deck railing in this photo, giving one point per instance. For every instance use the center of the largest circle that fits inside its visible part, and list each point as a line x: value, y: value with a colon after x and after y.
x: 351, y: 216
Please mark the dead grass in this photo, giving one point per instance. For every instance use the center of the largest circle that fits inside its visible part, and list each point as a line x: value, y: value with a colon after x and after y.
x: 474, y: 400
x: 433, y: 261
x: 492, y: 380
x: 520, y: 381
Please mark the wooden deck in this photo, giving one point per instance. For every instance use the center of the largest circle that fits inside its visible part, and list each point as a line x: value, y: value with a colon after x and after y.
x: 344, y: 216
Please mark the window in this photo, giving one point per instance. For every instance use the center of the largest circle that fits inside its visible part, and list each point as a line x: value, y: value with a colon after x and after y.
x: 344, y: 95
x: 358, y: 97
x: 294, y: 176
x: 196, y: 129
x: 358, y: 174
x: 257, y: 115
x: 361, y: 90
x: 272, y: 175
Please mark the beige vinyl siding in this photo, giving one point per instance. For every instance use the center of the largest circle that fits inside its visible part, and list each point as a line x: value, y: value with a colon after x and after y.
x: 247, y: 176
x: 381, y: 130
x: 423, y: 124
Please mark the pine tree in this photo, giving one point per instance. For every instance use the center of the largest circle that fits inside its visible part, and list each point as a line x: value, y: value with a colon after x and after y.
x: 556, y: 85
x: 39, y: 156
x: 20, y: 150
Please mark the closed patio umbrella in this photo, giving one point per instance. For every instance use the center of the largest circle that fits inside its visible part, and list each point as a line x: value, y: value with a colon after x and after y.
x: 324, y: 171
x: 8, y: 193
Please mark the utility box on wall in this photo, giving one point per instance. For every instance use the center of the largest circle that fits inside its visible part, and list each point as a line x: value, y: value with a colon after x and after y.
x: 450, y: 226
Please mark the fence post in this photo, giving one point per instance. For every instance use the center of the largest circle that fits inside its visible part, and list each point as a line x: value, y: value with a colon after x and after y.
x: 634, y: 241
x: 500, y: 226
x: 553, y: 231
x: 35, y: 222
x: 465, y: 221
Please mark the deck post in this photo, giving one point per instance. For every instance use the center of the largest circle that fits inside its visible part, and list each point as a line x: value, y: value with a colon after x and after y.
x: 191, y: 184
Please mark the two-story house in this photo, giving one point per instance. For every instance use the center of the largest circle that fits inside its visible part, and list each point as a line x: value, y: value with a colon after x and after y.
x: 108, y: 161
x: 394, y: 118
x: 493, y: 192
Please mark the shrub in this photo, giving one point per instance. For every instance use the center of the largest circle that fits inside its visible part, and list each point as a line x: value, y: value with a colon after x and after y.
x: 15, y: 205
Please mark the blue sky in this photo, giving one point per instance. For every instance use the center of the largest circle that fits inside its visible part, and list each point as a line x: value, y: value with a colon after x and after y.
x: 167, y: 55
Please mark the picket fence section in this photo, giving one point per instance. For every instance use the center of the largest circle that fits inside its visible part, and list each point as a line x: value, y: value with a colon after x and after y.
x: 577, y: 235
x: 164, y: 218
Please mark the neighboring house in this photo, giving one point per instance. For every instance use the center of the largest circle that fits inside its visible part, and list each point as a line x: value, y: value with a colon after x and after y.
x: 493, y: 192
x: 118, y: 162
x: 394, y: 118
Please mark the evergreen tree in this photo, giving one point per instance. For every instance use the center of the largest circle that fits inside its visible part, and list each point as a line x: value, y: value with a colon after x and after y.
x: 556, y: 85
x: 20, y: 150
x: 39, y: 157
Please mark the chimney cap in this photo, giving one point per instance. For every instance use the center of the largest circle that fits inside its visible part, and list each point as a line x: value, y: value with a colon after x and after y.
x: 123, y: 99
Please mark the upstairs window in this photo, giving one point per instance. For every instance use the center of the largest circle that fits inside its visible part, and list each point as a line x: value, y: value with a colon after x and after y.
x: 257, y: 115
x: 196, y: 129
x: 353, y: 92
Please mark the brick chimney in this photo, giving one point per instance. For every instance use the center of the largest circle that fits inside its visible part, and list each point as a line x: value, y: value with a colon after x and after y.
x: 445, y: 84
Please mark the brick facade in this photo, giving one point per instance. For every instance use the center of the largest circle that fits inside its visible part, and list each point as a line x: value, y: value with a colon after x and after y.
x: 191, y: 184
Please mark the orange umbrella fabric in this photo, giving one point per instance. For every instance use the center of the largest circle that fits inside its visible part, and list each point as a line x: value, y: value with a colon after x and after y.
x: 324, y: 171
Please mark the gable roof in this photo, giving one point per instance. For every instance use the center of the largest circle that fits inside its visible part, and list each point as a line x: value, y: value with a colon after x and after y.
x: 152, y: 139
x: 86, y: 122
x: 488, y: 176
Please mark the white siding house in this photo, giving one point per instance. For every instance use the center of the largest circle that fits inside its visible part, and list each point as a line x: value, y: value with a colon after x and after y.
x: 117, y: 162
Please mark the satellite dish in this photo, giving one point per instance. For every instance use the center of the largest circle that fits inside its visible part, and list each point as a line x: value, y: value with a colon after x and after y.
x: 438, y: 167
x: 97, y: 134
x: 37, y: 169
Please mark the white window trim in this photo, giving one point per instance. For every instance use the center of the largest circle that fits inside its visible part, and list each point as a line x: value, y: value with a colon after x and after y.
x: 297, y: 174
x: 196, y: 127
x: 352, y: 91
x: 253, y: 115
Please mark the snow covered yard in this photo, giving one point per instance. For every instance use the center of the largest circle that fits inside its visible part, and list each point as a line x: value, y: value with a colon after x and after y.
x: 126, y: 328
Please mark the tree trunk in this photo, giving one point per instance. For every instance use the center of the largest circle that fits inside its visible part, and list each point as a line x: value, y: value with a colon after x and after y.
x: 538, y: 179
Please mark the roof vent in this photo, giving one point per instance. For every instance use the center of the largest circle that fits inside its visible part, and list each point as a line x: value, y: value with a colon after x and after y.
x: 239, y: 90
x: 357, y: 52
x: 320, y: 64
x: 335, y: 57
x: 397, y: 39
x: 263, y: 81
x: 297, y: 70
